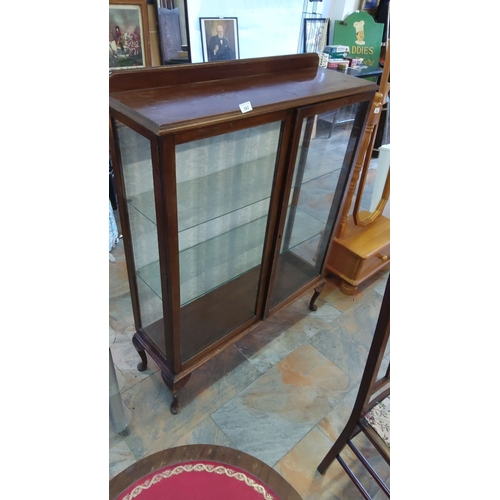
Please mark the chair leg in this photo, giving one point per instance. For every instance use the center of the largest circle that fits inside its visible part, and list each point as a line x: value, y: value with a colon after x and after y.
x: 347, y: 434
x: 369, y: 468
x: 354, y: 479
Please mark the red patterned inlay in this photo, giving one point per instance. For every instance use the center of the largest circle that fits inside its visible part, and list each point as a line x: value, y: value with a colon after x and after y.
x: 199, y: 480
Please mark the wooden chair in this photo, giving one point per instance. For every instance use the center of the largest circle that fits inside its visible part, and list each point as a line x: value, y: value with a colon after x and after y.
x: 373, y: 395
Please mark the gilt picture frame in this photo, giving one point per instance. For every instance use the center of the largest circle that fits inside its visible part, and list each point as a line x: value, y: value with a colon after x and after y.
x: 129, y: 44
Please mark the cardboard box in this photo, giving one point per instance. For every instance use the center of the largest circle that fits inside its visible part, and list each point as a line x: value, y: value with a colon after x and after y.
x: 333, y: 63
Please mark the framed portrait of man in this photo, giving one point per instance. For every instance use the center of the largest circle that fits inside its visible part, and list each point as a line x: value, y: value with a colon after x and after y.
x: 219, y: 38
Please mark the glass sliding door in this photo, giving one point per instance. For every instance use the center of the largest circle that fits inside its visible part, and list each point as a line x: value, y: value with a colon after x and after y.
x: 326, y: 149
x: 224, y: 187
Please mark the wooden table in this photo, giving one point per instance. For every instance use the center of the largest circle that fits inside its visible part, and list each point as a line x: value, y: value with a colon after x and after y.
x: 153, y: 472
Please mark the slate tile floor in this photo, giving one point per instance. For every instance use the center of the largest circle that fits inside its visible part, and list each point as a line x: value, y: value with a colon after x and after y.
x: 287, y: 392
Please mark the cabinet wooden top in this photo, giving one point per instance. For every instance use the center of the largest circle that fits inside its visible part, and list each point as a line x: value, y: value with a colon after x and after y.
x: 171, y: 98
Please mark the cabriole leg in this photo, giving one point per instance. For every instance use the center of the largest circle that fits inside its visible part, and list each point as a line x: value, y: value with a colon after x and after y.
x: 175, y: 407
x: 142, y: 353
x: 174, y: 388
x: 317, y: 291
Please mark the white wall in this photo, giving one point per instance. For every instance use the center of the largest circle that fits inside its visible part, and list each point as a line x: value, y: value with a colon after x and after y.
x: 265, y: 27
x: 338, y: 10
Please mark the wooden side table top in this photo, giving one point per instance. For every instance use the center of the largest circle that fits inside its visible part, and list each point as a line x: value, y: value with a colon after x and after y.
x: 199, y: 454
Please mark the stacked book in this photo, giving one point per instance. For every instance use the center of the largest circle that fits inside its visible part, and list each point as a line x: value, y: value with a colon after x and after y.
x: 333, y: 55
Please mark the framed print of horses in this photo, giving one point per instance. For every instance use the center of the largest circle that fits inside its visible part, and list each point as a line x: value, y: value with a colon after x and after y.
x: 128, y: 34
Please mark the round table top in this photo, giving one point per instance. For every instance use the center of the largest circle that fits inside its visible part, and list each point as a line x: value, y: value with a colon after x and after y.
x: 200, y: 472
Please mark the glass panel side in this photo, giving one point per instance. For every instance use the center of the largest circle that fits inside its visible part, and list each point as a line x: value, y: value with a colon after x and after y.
x: 137, y: 170
x: 323, y: 161
x: 223, y: 193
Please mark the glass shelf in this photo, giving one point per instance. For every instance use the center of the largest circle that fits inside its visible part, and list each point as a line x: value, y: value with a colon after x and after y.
x: 247, y: 204
x: 206, y: 198
x: 212, y: 263
x: 315, y: 195
x: 211, y: 193
x: 144, y: 203
x: 215, y: 227
x: 150, y: 275
x: 306, y: 228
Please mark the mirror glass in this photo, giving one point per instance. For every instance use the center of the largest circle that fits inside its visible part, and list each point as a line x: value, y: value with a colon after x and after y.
x: 375, y: 189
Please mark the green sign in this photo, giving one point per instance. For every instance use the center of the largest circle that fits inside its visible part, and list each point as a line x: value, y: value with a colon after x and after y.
x: 362, y: 35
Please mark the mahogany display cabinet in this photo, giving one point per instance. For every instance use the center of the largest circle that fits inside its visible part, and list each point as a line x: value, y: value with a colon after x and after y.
x: 230, y: 177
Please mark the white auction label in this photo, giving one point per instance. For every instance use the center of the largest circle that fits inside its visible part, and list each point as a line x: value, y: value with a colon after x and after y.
x: 246, y: 107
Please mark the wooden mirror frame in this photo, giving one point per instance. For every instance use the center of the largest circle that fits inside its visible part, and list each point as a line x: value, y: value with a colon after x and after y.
x: 367, y: 149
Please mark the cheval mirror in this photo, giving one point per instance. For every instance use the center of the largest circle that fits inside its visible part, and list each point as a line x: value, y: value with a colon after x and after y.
x: 362, y: 240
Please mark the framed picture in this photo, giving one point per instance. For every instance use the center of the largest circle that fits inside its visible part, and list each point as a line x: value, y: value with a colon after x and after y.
x: 128, y: 34
x: 169, y: 27
x: 370, y: 6
x: 172, y: 31
x: 315, y: 34
x: 219, y: 38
